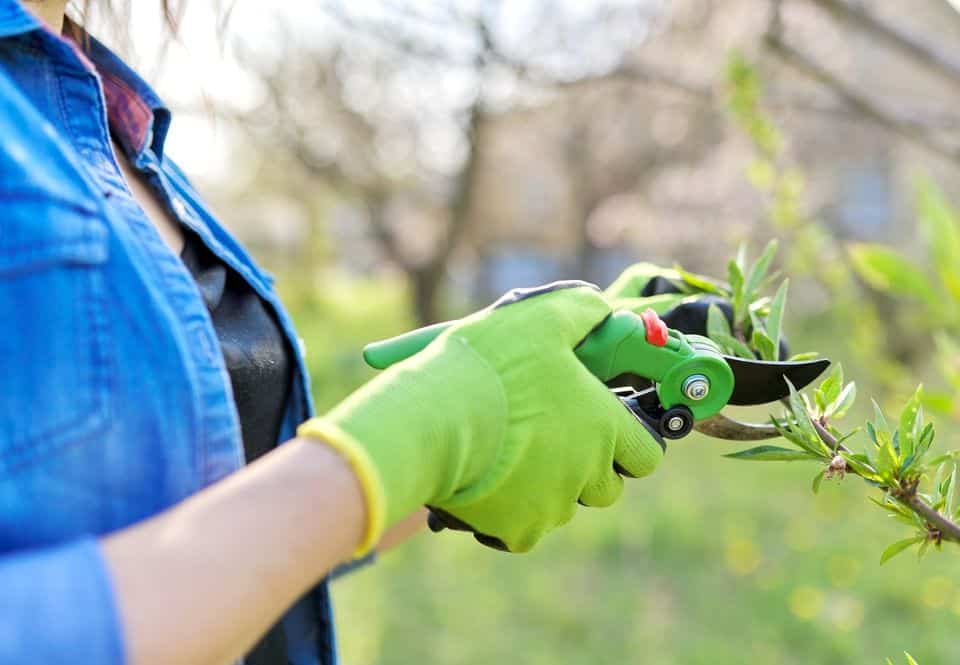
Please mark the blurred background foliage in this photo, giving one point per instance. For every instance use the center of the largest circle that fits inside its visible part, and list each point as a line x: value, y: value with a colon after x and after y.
x: 397, y: 162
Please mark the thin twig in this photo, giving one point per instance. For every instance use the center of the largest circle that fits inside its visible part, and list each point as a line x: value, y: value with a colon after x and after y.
x: 827, y: 437
x: 947, y: 529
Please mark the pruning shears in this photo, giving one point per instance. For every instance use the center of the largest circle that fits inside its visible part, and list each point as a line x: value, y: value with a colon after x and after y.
x: 689, y: 379
x: 685, y: 380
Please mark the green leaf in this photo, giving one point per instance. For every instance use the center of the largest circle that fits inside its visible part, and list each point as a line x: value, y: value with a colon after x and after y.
x: 862, y: 467
x: 896, y: 548
x: 702, y: 283
x: 817, y: 479
x: 717, y: 324
x: 831, y: 386
x: 887, y: 462
x: 891, y: 505
x: 923, y: 549
x: 940, y: 459
x: 855, y: 430
x: 772, y: 454
x: 887, y: 271
x: 908, y: 423
x: 925, y: 440
x: 901, y: 513
x: 818, y: 401
x: 741, y: 258
x: 735, y: 277
x: 879, y: 420
x: 910, y: 660
x: 838, y: 408
x: 760, y: 306
x: 799, y: 410
x: 733, y: 346
x: 759, y: 271
x: 802, y: 439
x: 764, y: 345
x: 906, y: 464
x: 951, y: 493
x: 774, y: 324
x: 806, y: 355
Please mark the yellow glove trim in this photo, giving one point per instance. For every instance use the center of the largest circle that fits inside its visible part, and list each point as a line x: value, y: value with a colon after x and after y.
x: 370, y: 483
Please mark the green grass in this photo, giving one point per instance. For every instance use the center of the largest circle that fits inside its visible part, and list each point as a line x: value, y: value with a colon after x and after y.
x: 709, y: 561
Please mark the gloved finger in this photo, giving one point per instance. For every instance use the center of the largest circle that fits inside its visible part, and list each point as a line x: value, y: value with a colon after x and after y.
x: 638, y: 448
x: 633, y: 280
x: 386, y: 352
x: 602, y: 491
x: 567, y: 311
x: 660, y: 303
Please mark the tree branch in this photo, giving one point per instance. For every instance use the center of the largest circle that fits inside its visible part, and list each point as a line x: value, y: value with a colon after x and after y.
x: 916, y: 47
x: 857, y: 102
x: 947, y: 529
x: 461, y: 201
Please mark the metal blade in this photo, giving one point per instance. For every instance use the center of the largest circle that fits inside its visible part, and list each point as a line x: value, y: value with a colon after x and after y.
x: 722, y: 427
x: 761, y: 381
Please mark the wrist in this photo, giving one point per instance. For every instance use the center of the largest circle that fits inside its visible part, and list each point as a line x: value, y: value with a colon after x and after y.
x: 420, y: 432
x: 319, y: 430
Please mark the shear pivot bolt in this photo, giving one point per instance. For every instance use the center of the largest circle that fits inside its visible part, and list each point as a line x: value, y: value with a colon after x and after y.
x: 675, y: 424
x: 696, y: 387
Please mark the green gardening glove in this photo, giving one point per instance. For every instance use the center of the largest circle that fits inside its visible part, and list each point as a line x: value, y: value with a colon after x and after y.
x: 496, y: 423
x: 645, y: 285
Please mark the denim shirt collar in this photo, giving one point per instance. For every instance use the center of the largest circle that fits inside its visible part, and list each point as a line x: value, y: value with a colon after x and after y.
x: 138, y: 117
x: 15, y: 20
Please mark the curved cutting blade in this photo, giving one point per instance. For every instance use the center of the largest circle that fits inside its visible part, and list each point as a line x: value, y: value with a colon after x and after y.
x: 762, y: 381
x: 720, y: 426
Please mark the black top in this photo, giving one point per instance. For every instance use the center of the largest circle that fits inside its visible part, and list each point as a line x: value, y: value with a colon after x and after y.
x: 261, y: 372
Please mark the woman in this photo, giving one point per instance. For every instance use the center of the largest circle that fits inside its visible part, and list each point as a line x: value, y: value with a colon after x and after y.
x: 147, y: 362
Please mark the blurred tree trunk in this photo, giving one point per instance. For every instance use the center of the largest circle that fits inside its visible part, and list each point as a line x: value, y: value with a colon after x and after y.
x: 424, y: 283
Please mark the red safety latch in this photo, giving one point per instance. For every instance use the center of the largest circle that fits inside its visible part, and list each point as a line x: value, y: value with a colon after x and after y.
x: 656, y: 329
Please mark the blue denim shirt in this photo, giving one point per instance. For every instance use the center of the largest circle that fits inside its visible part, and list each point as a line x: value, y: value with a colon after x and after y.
x: 114, y: 400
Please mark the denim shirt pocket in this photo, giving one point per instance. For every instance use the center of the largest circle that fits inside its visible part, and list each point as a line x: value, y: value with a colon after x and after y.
x: 53, y: 344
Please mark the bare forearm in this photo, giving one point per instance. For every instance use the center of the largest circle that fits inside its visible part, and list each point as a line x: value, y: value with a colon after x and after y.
x: 202, y: 581
x: 403, y: 530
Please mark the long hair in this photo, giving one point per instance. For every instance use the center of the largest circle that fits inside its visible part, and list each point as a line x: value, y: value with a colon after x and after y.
x: 116, y: 13
x: 112, y: 19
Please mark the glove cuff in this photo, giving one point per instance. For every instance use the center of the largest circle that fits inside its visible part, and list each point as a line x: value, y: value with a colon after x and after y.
x: 371, y: 483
